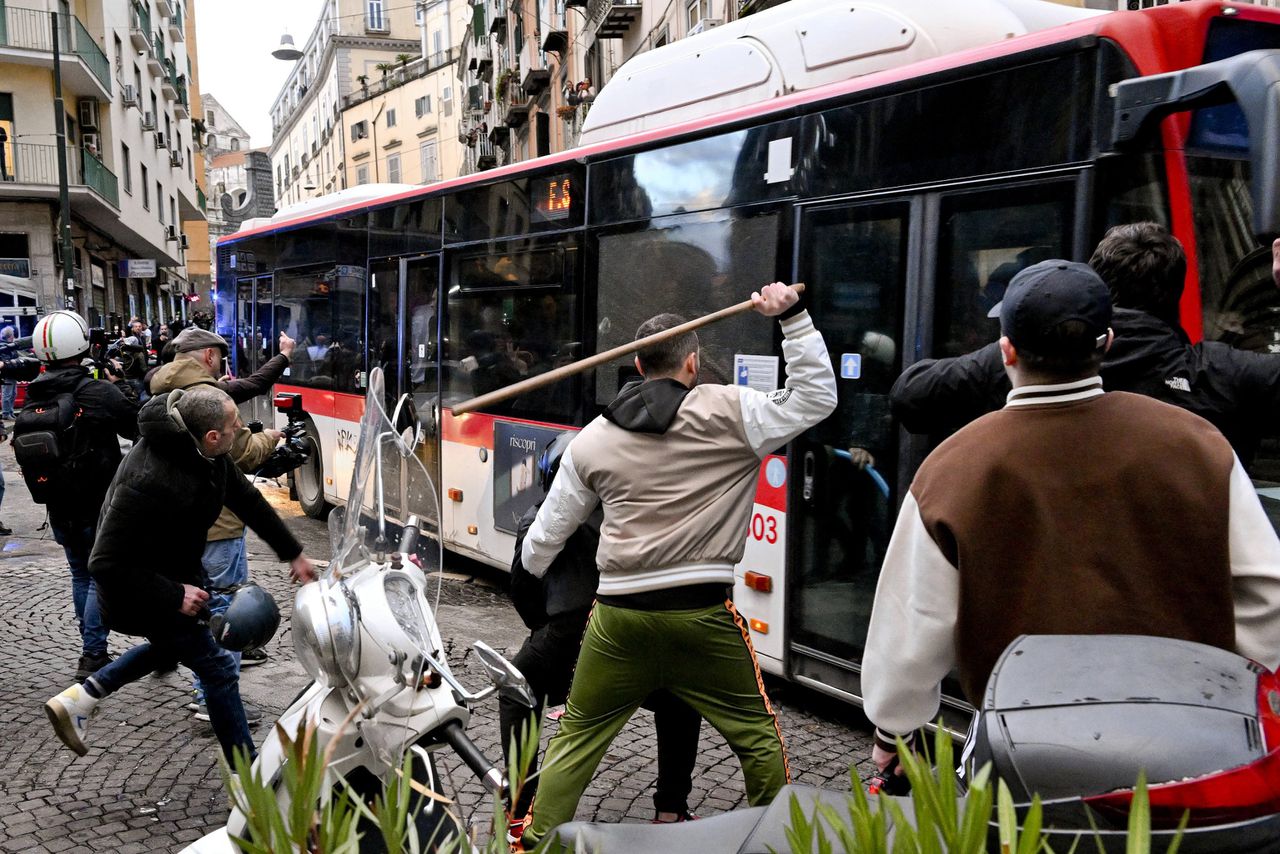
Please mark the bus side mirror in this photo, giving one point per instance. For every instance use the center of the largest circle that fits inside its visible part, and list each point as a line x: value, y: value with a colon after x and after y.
x: 1252, y: 80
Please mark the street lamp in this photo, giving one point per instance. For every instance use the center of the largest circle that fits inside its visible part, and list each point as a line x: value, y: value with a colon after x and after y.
x: 287, y: 50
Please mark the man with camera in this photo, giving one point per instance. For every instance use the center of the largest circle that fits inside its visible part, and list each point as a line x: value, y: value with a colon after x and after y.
x: 199, y: 361
x: 77, y: 484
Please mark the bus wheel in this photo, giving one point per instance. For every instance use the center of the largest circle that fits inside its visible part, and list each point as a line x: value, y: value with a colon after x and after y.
x: 307, y: 481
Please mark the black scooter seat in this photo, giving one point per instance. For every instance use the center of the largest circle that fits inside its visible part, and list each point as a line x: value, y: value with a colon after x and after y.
x: 756, y: 830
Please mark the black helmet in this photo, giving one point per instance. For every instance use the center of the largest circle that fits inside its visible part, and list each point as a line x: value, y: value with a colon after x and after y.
x: 249, y: 621
x: 549, y: 462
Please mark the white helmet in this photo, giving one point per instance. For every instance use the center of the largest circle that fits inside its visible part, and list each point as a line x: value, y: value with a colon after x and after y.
x: 60, y: 335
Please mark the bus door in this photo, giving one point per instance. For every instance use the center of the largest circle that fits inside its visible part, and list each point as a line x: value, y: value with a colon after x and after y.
x: 403, y: 340
x: 855, y: 260
x: 250, y: 347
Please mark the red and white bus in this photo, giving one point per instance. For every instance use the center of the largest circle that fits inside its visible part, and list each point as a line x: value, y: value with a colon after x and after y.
x: 903, y: 195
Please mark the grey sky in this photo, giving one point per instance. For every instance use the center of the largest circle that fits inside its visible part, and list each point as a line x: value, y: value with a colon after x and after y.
x: 235, y: 39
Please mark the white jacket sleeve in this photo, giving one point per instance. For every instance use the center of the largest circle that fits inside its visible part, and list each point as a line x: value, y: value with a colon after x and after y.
x: 1255, y: 572
x: 774, y: 418
x: 568, y: 504
x: 911, y: 639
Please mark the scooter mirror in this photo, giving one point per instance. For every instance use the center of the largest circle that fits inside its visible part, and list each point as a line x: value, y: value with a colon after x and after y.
x: 509, y: 681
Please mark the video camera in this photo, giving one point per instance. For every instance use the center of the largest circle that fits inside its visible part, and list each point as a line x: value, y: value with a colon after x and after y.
x: 296, y: 447
x: 102, y: 351
x: 16, y: 361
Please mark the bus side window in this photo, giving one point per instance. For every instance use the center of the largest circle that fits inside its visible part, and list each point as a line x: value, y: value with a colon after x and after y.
x: 985, y: 238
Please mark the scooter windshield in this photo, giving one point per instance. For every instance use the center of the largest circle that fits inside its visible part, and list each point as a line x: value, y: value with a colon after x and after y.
x: 390, y: 487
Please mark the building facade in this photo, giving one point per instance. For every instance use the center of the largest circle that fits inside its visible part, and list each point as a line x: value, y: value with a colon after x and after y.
x: 354, y: 43
x: 128, y: 146
x: 222, y: 133
x: 403, y: 127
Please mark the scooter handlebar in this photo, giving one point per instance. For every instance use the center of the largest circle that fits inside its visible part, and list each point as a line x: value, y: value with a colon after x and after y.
x: 453, y: 735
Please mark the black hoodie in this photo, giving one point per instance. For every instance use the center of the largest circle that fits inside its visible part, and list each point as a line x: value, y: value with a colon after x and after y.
x: 1235, y: 390
x: 163, y: 499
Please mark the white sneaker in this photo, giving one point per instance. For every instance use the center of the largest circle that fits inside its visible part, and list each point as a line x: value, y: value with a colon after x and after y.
x: 69, y: 712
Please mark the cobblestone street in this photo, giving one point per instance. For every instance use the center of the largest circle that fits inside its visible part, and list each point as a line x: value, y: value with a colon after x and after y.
x: 151, y: 780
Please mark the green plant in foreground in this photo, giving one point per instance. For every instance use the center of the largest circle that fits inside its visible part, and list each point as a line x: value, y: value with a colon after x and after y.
x: 324, y: 813
x: 942, y: 825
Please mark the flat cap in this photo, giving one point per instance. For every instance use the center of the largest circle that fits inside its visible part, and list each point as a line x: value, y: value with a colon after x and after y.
x: 195, y: 338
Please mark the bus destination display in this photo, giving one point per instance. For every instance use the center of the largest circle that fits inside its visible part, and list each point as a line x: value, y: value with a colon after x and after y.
x: 551, y: 197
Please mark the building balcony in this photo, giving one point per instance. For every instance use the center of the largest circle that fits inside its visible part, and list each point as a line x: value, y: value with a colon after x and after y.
x: 533, y: 67
x: 33, y: 174
x: 165, y: 7
x: 518, y: 104
x: 497, y: 10
x: 177, y: 32
x: 618, y: 17
x: 140, y: 27
x: 26, y: 38
x: 169, y: 84
x: 156, y: 57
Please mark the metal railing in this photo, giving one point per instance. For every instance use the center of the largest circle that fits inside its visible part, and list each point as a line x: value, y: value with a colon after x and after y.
x: 29, y: 29
x: 398, y: 77
x: 33, y: 163
x: 100, y: 179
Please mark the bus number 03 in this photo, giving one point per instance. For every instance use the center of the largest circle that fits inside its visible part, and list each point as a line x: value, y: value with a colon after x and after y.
x: 764, y: 528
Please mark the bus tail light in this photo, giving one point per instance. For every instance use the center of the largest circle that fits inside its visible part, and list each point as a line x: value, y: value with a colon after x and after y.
x: 760, y: 626
x: 455, y: 495
x: 758, y: 581
x: 473, y: 530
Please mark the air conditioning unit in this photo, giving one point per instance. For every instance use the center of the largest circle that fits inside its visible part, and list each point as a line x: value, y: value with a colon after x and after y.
x: 175, y: 159
x: 89, y: 113
x: 159, y: 139
x: 182, y: 241
x: 704, y: 25
x: 91, y: 142
x: 129, y: 96
x: 148, y: 121
x: 170, y: 232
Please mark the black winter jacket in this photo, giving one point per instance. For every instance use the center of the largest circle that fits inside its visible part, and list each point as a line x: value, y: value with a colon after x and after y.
x: 110, y: 410
x: 162, y: 501
x: 1235, y: 390
x: 569, y: 586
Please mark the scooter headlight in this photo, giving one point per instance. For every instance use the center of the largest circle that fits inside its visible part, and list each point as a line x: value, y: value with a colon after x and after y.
x: 406, y: 606
x: 326, y: 632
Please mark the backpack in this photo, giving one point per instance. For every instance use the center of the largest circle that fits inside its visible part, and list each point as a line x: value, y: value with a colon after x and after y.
x: 45, y: 446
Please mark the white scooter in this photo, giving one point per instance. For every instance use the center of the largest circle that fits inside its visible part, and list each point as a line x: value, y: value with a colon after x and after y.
x: 367, y: 635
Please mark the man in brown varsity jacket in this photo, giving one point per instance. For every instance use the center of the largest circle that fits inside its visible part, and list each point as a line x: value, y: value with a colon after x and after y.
x: 1069, y: 511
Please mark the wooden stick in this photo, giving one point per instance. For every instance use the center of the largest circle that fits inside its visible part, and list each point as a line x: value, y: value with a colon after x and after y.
x: 590, y: 362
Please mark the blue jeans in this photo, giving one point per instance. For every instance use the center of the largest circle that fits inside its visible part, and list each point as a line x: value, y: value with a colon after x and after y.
x: 226, y: 562
x: 77, y: 542
x: 190, y: 644
x: 8, y: 392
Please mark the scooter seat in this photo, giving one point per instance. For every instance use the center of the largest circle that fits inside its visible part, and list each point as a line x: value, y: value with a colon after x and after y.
x: 756, y: 830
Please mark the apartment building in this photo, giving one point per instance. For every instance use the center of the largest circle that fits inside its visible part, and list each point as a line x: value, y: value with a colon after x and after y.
x: 531, y: 68
x: 128, y: 150
x: 349, y: 42
x: 403, y: 125
x: 198, y: 255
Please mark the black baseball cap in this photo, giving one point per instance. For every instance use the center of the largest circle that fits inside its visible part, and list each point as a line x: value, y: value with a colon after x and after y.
x: 1042, y: 297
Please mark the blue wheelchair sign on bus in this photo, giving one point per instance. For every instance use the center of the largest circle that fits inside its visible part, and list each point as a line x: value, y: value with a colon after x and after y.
x: 850, y: 366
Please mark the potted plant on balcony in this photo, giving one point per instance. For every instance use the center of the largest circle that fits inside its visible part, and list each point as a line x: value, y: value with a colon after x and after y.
x: 566, y: 112
x: 363, y: 80
x: 504, y: 84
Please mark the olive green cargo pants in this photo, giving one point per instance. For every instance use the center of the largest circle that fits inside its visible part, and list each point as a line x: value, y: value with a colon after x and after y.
x: 702, y: 656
